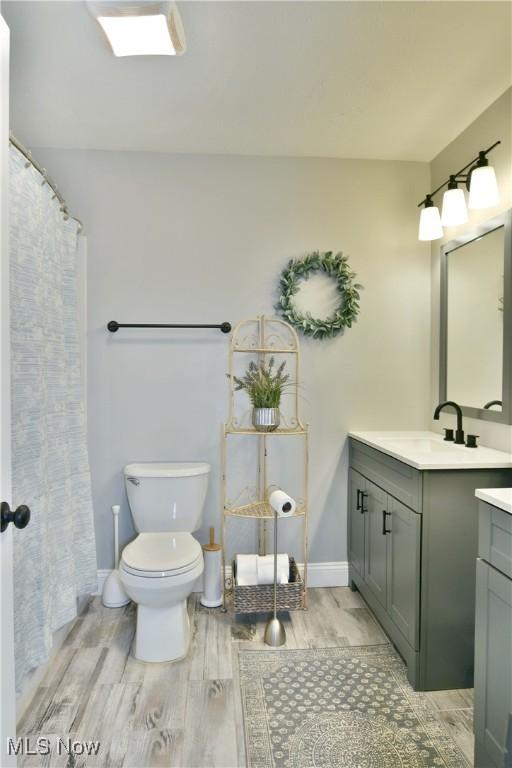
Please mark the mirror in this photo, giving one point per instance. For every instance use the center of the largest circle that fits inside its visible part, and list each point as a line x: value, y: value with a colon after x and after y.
x: 475, y: 297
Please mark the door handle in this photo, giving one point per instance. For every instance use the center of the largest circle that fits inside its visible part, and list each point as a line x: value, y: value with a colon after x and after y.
x: 384, y: 529
x: 364, y: 495
x: 20, y: 517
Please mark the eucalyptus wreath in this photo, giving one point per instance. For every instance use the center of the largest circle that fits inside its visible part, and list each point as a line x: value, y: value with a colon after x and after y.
x: 335, y: 266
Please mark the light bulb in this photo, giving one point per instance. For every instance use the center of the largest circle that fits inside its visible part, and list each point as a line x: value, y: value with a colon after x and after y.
x: 454, y: 210
x: 483, y: 188
x: 430, y: 221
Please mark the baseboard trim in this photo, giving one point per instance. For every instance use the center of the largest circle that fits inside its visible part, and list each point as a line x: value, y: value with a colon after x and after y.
x: 328, y: 574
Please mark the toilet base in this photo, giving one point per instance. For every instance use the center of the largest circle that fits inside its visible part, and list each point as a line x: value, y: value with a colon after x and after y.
x: 162, y: 634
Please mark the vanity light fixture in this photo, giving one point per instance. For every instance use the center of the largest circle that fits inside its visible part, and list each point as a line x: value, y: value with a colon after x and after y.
x: 479, y: 178
x: 430, y: 221
x: 140, y: 29
x: 454, y: 210
x: 483, y: 187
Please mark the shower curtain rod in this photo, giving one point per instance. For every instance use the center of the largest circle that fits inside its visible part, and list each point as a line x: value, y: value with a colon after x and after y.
x: 46, y: 178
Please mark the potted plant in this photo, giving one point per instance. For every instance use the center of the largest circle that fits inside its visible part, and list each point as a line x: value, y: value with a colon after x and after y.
x: 265, y: 387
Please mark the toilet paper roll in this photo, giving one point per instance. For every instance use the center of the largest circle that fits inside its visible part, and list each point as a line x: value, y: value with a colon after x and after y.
x: 265, y: 566
x: 246, y: 570
x: 283, y: 504
x: 253, y: 569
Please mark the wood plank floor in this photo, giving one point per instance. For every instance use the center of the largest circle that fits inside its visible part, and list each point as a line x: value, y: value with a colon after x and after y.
x: 186, y: 713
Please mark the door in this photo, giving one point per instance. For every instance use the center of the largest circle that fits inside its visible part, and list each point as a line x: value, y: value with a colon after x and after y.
x: 403, y: 532
x: 8, y: 710
x: 356, y: 515
x: 376, y: 542
x: 493, y: 667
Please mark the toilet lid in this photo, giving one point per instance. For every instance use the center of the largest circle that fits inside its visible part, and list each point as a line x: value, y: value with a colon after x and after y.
x: 161, y: 553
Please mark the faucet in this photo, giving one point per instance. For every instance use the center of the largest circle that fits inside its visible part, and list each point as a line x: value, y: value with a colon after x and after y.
x: 459, y: 432
x: 493, y: 402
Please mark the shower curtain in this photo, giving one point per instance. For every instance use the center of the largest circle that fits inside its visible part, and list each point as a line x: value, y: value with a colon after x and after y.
x: 55, y: 556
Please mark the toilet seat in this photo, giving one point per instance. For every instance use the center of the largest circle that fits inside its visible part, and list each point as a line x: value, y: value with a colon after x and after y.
x: 157, y: 555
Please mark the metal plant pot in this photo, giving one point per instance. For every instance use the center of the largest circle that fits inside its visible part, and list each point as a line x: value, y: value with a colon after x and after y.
x: 265, y: 419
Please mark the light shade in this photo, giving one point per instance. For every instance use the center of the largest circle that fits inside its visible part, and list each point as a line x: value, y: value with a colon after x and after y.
x: 140, y: 29
x: 454, y: 210
x: 138, y: 35
x: 430, y: 222
x: 483, y: 188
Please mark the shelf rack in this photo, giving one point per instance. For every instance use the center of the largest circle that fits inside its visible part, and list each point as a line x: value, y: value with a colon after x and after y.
x: 258, y: 339
x: 258, y: 509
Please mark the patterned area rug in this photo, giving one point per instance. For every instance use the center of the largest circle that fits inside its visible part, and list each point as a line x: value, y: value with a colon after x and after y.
x: 339, y: 708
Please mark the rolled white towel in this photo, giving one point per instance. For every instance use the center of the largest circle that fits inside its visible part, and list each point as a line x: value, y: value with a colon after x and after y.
x: 246, y: 570
x: 283, y: 504
x: 265, y: 567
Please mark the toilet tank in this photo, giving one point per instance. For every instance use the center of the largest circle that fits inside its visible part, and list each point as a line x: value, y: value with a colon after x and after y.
x: 166, y: 496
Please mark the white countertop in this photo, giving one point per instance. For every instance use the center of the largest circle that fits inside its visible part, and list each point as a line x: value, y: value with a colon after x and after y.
x: 428, y: 450
x: 498, y: 497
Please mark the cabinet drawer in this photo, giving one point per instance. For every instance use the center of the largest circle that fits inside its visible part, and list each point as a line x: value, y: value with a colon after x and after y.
x: 396, y: 478
x: 495, y: 537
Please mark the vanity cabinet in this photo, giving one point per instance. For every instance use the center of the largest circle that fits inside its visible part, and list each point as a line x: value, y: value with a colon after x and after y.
x: 375, y: 550
x: 493, y: 640
x: 385, y: 538
x: 356, y: 512
x: 403, y: 569
x: 412, y: 548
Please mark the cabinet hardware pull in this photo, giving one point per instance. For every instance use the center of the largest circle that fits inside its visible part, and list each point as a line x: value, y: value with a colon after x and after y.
x: 364, y: 495
x: 384, y: 529
x: 358, y: 504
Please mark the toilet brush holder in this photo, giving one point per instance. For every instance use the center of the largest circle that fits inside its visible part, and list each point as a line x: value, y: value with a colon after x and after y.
x: 212, y: 576
x: 113, y: 595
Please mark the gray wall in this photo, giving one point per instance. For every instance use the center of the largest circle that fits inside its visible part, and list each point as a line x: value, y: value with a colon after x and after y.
x: 204, y: 238
x: 494, y: 124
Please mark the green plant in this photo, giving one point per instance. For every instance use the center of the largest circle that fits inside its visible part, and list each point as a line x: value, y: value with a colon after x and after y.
x: 334, y: 266
x: 264, y: 386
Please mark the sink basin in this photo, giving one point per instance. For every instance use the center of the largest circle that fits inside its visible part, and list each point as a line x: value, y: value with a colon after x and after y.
x: 422, y: 449
x: 421, y: 445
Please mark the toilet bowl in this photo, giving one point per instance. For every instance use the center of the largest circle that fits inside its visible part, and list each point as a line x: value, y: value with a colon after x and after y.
x: 158, y: 572
x: 160, y: 567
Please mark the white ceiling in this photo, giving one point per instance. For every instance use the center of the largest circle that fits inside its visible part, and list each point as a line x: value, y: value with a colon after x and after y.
x: 334, y: 79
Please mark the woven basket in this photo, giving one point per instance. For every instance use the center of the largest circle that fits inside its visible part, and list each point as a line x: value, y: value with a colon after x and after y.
x: 260, y: 598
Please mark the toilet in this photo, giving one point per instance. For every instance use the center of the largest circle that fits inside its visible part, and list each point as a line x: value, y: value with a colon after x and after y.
x: 160, y: 568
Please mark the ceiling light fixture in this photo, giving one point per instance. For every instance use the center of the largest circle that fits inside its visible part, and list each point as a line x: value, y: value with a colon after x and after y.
x: 480, y: 180
x: 141, y: 29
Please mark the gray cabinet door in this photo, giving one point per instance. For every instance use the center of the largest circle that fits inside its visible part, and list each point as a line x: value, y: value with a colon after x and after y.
x: 404, y: 542
x: 376, y: 542
x: 356, y: 514
x: 493, y: 666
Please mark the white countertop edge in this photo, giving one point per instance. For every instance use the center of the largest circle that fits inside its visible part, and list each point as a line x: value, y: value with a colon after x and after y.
x: 486, y: 459
x: 497, y: 497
